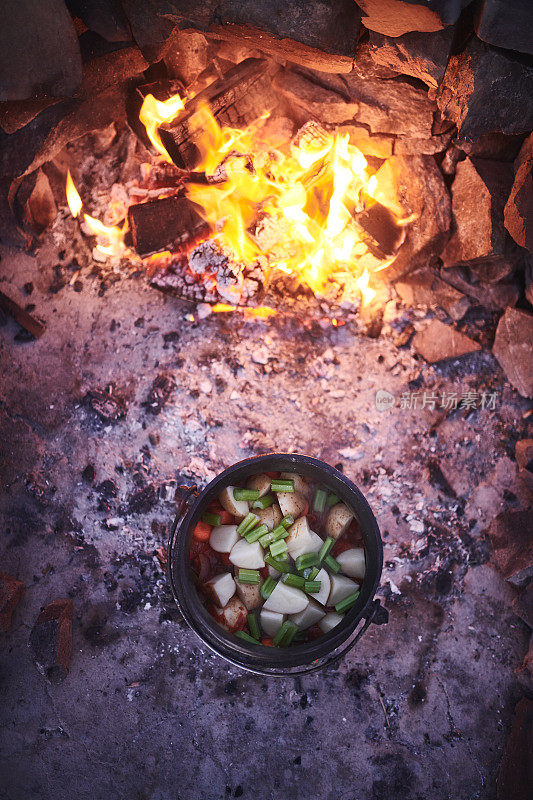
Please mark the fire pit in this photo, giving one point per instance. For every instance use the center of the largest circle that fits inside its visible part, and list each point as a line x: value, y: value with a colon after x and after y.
x: 235, y: 229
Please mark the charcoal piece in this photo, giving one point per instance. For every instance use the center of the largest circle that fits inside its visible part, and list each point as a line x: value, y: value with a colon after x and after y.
x: 165, y: 223
x: 159, y: 394
x: 142, y: 501
x: 229, y: 100
x: 32, y: 325
x: 379, y: 223
x: 11, y: 593
x: 51, y: 640
x: 109, y: 406
x: 438, y: 479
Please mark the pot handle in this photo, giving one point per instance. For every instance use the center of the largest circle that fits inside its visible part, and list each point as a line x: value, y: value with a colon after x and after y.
x: 377, y: 614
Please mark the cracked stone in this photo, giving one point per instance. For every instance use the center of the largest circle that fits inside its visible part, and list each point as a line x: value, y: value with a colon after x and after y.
x: 513, y: 347
x: 518, y: 213
x: 438, y: 342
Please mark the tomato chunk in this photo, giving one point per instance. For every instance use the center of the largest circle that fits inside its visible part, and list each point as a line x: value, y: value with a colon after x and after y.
x: 202, y: 532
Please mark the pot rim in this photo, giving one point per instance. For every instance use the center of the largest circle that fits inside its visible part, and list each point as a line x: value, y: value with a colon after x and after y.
x: 261, y: 658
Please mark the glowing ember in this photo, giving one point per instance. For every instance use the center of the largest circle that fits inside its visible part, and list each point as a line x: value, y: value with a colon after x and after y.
x: 73, y: 198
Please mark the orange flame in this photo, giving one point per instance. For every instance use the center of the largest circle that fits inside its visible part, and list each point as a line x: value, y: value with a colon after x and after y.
x: 73, y: 198
x: 113, y: 236
x: 305, y: 195
x: 154, y: 112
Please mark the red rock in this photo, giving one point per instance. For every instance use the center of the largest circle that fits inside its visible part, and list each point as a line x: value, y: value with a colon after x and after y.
x: 425, y: 288
x: 486, y: 90
x: 394, y: 17
x: 511, y: 536
x: 439, y: 341
x: 506, y: 23
x: 518, y: 212
x: 513, y: 347
x: 496, y: 296
x: 51, y: 640
x: 418, y: 186
x: 479, y: 193
x: 421, y: 55
x: 11, y: 593
x: 515, y: 775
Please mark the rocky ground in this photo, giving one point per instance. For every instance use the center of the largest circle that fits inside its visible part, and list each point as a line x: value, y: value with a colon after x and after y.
x: 422, y: 708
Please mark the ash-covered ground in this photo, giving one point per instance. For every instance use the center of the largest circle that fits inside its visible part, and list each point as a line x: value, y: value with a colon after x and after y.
x: 421, y: 708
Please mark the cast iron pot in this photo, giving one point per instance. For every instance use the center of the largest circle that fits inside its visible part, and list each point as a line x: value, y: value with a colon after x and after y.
x: 297, y: 659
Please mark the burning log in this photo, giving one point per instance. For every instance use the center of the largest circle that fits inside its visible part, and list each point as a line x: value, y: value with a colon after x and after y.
x: 236, y: 99
x: 164, y: 223
x: 23, y: 317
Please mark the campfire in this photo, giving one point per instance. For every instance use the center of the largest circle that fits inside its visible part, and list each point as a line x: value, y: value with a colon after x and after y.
x: 257, y: 203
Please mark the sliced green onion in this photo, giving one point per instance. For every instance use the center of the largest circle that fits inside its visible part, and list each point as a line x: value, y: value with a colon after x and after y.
x: 212, y: 519
x: 294, y: 580
x: 277, y: 548
x: 278, y: 485
x: 326, y: 547
x: 255, y: 533
x: 332, y: 500
x: 248, y: 576
x: 266, y: 539
x: 319, y: 503
x: 285, y: 634
x: 279, y: 533
x: 278, y: 564
x: 246, y: 637
x: 306, y: 560
x: 287, y: 521
x: 332, y: 563
x: 264, y: 502
x: 253, y: 625
x: 310, y: 573
x: 246, y: 494
x: 312, y: 586
x: 268, y: 587
x: 348, y: 602
x: 247, y: 524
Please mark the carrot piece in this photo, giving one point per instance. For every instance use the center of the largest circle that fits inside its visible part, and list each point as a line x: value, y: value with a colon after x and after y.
x: 202, y: 532
x: 267, y: 642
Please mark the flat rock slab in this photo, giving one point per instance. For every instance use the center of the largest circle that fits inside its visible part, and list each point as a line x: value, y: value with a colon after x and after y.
x: 511, y: 535
x: 11, y: 593
x: 518, y: 212
x: 51, y: 640
x: 418, y: 185
x: 506, y: 24
x: 513, y: 347
x: 425, y: 288
x: 421, y: 55
x: 479, y: 193
x: 438, y: 342
x: 394, y: 17
x: 484, y: 90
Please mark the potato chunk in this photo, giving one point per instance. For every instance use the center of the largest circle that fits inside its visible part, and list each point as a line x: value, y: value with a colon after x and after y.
x: 247, y: 556
x: 312, y: 614
x: 259, y: 482
x: 325, y: 581
x: 250, y: 594
x: 300, y: 484
x: 223, y: 538
x: 286, y: 599
x: 353, y: 562
x: 220, y: 589
x: 338, y: 520
x: 233, y: 616
x: 239, y: 508
x: 271, y: 516
x: 331, y: 620
x: 341, y: 587
x: 271, y: 621
x: 302, y: 539
x: 292, y: 503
